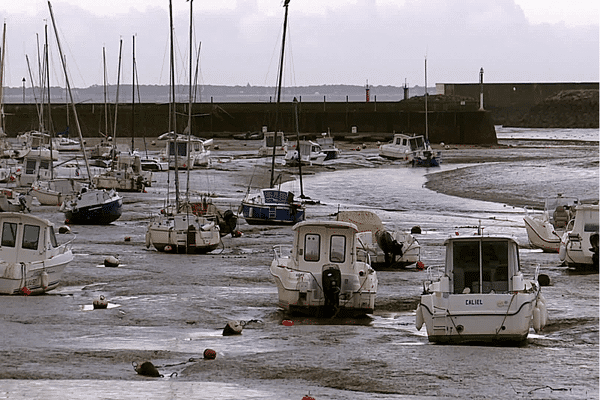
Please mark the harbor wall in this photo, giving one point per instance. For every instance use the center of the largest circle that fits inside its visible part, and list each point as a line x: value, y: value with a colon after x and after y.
x: 456, y: 122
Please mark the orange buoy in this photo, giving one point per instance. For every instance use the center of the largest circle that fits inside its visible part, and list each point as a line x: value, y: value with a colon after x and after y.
x: 287, y: 322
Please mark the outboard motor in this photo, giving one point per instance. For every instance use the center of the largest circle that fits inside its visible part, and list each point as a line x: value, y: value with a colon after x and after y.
x: 594, y: 248
x: 228, y: 223
x: 389, y: 246
x: 332, y: 285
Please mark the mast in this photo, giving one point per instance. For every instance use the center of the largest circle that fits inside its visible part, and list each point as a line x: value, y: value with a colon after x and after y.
x: 133, y: 100
x: 172, y: 118
x: 105, y: 95
x: 64, y: 64
x: 285, y: 4
x: 426, y: 96
x: 189, y: 124
x: 298, y: 147
x: 3, y: 51
x: 112, y: 164
x: 49, y: 127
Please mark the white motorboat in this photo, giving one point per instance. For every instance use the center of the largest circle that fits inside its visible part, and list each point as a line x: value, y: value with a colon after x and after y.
x: 271, y: 206
x: 387, y: 249
x: 14, y: 201
x: 34, y: 143
x: 481, y: 295
x: 326, y: 273
x: 579, y: 244
x: 310, y: 153
x: 266, y: 149
x: 412, y: 149
x: 154, y: 164
x: 53, y: 192
x: 126, y: 176
x: 63, y: 143
x: 546, y: 230
x: 328, y: 147
x: 31, y: 260
x: 190, y: 150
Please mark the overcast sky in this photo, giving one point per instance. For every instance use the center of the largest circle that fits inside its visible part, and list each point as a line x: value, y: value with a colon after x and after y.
x: 384, y: 42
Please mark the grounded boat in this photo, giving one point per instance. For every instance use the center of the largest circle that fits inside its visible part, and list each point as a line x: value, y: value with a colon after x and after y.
x: 395, y: 249
x: 272, y: 207
x: 31, y: 260
x: 280, y: 143
x: 127, y: 176
x: 481, y: 295
x: 184, y: 231
x: 183, y: 149
x: 328, y: 147
x: 545, y: 230
x: 310, y: 153
x: 13, y: 201
x: 53, y: 192
x: 63, y: 143
x: 92, y: 207
x: 327, y: 272
x: 412, y: 149
x: 185, y: 227
x: 579, y: 244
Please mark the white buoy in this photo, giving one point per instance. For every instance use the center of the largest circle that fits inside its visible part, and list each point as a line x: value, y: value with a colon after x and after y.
x: 419, y: 317
x: 537, y: 320
x: 111, y: 261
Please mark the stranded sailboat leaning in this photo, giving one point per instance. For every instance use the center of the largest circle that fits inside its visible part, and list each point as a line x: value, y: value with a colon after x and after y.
x: 89, y: 206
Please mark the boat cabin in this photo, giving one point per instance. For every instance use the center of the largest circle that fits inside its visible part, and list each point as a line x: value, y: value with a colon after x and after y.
x: 269, y: 138
x: 481, y: 264
x: 320, y: 244
x: 25, y: 238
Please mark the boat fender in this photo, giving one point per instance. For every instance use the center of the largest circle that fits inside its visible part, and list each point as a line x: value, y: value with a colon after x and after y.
x: 44, y: 279
x: 207, y: 227
x: 148, y: 240
x: 168, y: 248
x: 544, y: 280
x: 537, y: 319
x: 543, y: 314
x: 233, y: 328
x: 146, y: 369
x: 419, y: 317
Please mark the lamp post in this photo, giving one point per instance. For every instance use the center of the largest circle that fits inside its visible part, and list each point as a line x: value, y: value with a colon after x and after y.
x: 23, y: 90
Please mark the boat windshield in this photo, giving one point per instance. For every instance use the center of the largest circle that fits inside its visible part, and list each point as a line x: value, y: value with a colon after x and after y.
x: 416, y: 143
x: 480, y: 266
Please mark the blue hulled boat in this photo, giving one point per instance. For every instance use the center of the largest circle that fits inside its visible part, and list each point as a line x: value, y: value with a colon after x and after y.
x: 93, y: 207
x: 272, y: 207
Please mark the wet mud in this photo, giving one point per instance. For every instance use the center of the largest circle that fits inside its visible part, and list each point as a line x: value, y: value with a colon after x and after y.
x: 167, y: 309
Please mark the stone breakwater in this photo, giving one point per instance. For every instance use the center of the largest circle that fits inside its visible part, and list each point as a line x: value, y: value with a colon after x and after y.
x: 566, y: 109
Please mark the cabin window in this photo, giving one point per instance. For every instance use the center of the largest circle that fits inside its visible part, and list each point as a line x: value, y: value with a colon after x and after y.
x: 196, y: 146
x: 337, y: 249
x: 53, y: 237
x: 480, y: 266
x: 9, y: 234
x: 404, y: 142
x: 31, y: 237
x: 590, y: 227
x: 44, y: 164
x: 30, y: 167
x: 312, y: 247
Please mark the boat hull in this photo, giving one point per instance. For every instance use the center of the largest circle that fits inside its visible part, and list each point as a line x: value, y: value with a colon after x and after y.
x: 28, y: 278
x: 174, y: 235
x: 279, y: 214
x: 302, y: 293
x: 541, y: 235
x: 97, y: 214
x: 458, y: 318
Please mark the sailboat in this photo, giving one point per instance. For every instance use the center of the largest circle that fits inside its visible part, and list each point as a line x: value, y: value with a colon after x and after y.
x: 90, y: 205
x: 183, y: 227
x: 273, y: 206
x: 125, y: 173
x: 426, y: 156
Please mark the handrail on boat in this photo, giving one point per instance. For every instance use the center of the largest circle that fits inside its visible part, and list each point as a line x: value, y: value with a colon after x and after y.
x: 280, y: 249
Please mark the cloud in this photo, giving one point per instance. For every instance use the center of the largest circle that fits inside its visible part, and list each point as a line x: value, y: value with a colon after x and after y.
x: 384, y: 43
